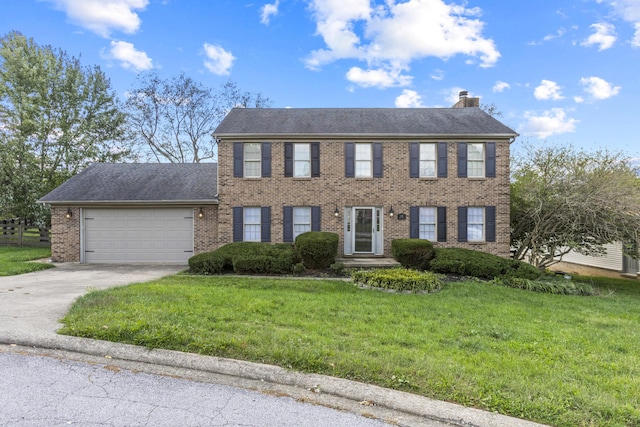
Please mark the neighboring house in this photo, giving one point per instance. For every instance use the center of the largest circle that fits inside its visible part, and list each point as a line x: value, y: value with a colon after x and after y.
x: 614, y: 259
x: 370, y: 175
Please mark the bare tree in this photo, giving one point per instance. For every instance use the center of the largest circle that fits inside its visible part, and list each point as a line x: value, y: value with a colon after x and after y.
x: 174, y: 119
x: 563, y: 200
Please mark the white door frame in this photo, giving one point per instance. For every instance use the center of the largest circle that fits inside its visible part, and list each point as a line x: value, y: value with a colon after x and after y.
x: 377, y: 230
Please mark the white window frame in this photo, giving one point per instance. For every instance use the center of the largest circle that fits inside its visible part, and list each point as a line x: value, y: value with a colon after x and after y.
x: 302, y: 161
x: 252, y: 161
x: 300, y: 227
x: 366, y: 163
x: 477, y: 163
x: 251, y: 231
x: 427, y: 148
x: 476, y: 225
x: 423, y: 226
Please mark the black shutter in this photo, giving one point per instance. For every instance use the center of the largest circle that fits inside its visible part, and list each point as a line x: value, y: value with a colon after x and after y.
x: 288, y: 159
x: 442, y: 224
x: 490, y: 219
x: 287, y: 222
x: 237, y: 160
x: 442, y: 159
x: 315, y: 218
x: 462, y: 159
x: 414, y: 222
x: 266, y: 159
x: 414, y: 160
x: 377, y: 160
x: 349, y: 160
x: 462, y: 224
x: 491, y: 159
x: 265, y: 224
x: 315, y: 159
x: 238, y: 224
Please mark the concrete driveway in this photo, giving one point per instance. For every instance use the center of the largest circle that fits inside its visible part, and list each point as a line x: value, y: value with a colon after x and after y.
x: 32, y: 304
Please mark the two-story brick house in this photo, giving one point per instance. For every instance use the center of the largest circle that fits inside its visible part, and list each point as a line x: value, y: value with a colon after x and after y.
x: 371, y: 175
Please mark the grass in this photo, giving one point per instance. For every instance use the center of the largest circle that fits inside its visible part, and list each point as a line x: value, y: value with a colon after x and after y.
x: 14, y: 259
x: 555, y: 359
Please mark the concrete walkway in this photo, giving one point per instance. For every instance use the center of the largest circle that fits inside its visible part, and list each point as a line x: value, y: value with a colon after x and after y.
x: 32, y: 304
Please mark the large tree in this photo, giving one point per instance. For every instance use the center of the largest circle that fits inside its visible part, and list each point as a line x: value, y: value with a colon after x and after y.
x: 564, y: 199
x: 173, y: 119
x: 56, y: 117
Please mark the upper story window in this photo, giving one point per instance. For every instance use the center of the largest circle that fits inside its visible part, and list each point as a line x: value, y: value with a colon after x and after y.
x: 363, y: 161
x: 301, y: 160
x: 476, y: 160
x: 252, y: 164
x: 428, y: 157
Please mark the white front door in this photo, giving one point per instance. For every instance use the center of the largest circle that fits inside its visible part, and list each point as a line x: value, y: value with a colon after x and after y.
x: 363, y: 231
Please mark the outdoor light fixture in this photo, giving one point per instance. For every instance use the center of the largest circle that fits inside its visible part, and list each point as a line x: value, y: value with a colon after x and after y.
x: 200, y: 213
x: 336, y: 213
x: 391, y: 212
x: 69, y: 214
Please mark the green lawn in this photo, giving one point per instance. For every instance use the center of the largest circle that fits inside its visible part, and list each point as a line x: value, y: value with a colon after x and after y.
x: 560, y: 360
x: 13, y: 259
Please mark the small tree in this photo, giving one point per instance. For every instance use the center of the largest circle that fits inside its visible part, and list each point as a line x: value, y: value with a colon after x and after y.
x: 563, y: 200
x: 174, y: 119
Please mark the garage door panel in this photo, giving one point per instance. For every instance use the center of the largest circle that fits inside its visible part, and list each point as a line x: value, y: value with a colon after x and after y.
x: 160, y: 235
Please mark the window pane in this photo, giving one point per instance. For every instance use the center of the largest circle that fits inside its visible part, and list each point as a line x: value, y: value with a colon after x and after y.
x: 427, y: 168
x: 474, y: 233
x: 427, y: 151
x: 475, y: 151
x: 427, y: 215
x: 302, y: 169
x: 427, y: 226
x: 252, y: 169
x: 301, y: 220
x: 475, y: 224
x: 428, y: 232
x: 363, y: 169
x: 252, y: 151
x: 475, y: 169
x: 252, y: 224
x: 301, y: 152
x: 363, y: 152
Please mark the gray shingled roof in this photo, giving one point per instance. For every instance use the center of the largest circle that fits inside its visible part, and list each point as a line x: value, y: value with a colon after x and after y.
x: 361, y: 121
x: 131, y: 182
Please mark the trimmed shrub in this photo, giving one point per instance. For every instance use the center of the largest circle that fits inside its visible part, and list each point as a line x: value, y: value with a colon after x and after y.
x: 399, y: 279
x: 467, y: 262
x: 317, y: 249
x: 246, y: 258
x: 207, y: 263
x: 413, y: 253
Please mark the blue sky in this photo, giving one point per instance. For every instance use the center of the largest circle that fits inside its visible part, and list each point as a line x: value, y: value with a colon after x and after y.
x: 561, y: 71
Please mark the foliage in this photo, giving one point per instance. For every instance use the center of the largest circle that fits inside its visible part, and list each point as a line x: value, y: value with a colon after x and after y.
x: 338, y: 268
x: 246, y: 258
x: 413, y: 253
x: 561, y: 361
x: 563, y: 199
x: 174, y: 119
x: 467, y: 262
x: 399, y: 279
x: 318, y: 249
x: 57, y: 116
x: 547, y: 284
x: 15, y: 259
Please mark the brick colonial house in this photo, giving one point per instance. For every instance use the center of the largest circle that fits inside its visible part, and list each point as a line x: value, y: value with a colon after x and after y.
x: 370, y: 175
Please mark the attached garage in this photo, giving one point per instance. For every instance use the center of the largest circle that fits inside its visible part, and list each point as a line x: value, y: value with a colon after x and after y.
x: 158, y: 235
x: 135, y: 213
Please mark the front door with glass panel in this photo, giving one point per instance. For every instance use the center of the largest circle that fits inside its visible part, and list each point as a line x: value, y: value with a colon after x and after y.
x: 363, y: 231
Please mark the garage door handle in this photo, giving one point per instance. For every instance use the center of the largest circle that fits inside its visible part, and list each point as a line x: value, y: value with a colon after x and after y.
x: 90, y: 251
x: 189, y: 252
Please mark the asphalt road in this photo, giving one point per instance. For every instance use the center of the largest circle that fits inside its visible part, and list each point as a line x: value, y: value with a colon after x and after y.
x: 46, y: 391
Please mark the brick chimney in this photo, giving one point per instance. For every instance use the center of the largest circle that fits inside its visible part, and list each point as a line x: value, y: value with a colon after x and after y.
x: 465, y: 101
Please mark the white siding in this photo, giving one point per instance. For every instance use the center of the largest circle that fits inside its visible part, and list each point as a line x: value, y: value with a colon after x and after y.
x: 612, y: 260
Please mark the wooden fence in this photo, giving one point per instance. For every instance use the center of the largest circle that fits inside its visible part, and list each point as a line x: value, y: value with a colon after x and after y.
x: 19, y: 233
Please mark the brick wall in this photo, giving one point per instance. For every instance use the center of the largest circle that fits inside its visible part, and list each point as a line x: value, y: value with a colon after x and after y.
x: 205, y: 229
x: 65, y: 235
x: 396, y: 189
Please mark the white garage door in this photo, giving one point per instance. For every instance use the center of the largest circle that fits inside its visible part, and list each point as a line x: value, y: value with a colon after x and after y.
x: 161, y: 235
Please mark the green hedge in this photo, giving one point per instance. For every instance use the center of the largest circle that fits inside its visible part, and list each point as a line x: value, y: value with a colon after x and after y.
x: 399, y: 279
x: 413, y: 253
x: 246, y: 258
x: 547, y: 284
x: 467, y: 262
x: 317, y: 249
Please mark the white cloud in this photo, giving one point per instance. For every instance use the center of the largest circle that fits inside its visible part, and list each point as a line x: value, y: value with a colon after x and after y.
x: 500, y: 86
x: 551, y: 122
x: 604, y: 36
x: 409, y: 99
x: 269, y: 10
x: 128, y: 56
x: 103, y: 16
x: 635, y: 41
x: 437, y: 75
x: 379, y: 78
x: 548, y: 90
x: 599, y: 88
x: 393, y: 34
x: 578, y: 99
x: 218, y: 61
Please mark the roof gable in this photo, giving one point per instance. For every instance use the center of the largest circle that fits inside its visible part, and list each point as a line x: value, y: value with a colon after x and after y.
x: 361, y: 121
x: 133, y: 182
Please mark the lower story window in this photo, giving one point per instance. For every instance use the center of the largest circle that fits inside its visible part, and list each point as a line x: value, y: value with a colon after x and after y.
x: 301, y: 220
x: 251, y: 225
x: 475, y: 224
x: 427, y: 223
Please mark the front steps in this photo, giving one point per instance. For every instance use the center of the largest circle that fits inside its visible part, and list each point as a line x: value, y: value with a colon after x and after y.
x: 372, y: 262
